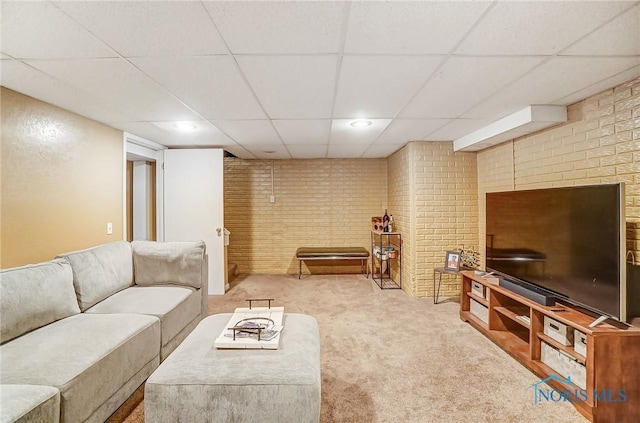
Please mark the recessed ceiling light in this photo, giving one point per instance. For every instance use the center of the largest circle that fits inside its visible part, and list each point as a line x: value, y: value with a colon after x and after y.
x: 361, y: 123
x: 268, y: 151
x: 185, y: 126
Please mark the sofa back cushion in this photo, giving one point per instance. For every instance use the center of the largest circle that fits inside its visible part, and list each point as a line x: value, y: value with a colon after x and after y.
x: 179, y: 263
x: 35, y: 295
x: 101, y: 271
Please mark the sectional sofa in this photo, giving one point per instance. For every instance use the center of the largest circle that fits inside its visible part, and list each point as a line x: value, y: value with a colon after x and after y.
x: 80, y: 333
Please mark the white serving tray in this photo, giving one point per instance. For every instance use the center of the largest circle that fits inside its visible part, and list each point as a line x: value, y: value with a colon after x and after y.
x: 274, y: 313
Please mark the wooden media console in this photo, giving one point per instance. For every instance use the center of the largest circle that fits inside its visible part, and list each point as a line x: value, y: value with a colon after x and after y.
x: 602, y: 380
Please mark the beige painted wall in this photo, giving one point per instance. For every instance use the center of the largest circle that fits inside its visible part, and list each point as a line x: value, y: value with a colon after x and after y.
x: 599, y: 144
x: 61, y: 181
x: 326, y: 202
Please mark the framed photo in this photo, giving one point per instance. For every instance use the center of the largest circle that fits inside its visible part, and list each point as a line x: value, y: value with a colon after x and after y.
x: 452, y: 260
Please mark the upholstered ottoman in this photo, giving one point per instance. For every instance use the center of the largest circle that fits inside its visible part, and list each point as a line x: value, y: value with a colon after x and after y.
x: 199, y: 383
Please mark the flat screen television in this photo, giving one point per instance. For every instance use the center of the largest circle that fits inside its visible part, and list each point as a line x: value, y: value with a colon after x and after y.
x: 569, y: 242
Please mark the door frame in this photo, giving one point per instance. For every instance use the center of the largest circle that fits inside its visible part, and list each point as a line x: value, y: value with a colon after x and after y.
x: 138, y: 148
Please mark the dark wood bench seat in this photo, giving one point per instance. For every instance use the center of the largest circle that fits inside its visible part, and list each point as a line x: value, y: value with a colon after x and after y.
x: 333, y: 253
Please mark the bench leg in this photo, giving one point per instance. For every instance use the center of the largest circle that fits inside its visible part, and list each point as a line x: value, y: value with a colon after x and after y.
x: 299, y: 268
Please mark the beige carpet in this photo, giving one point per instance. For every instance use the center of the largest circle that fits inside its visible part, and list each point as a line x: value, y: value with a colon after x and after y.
x: 387, y: 357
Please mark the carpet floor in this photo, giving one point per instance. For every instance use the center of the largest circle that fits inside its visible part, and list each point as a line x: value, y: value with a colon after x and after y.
x: 388, y: 357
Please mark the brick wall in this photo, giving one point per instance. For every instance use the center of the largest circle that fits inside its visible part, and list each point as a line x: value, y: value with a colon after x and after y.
x: 318, y: 203
x: 438, y: 188
x: 599, y: 144
x: 401, y: 205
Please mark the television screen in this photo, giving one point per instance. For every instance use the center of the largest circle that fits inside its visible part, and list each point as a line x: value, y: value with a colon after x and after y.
x: 566, y: 240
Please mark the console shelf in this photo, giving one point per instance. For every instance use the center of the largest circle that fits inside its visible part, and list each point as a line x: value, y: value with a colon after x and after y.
x: 610, y: 363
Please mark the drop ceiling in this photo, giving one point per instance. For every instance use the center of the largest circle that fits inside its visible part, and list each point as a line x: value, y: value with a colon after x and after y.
x: 285, y: 79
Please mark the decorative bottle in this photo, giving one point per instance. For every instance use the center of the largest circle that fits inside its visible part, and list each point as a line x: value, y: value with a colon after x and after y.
x: 385, y: 222
x: 391, y: 223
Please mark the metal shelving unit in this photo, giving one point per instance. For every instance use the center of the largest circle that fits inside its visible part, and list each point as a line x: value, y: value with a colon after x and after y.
x: 386, y: 266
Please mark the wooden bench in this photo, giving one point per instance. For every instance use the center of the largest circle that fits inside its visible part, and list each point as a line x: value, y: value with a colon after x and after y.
x: 333, y: 253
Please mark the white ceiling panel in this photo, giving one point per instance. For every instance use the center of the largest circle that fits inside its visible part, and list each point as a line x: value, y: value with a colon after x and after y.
x: 135, y: 28
x: 379, y: 86
x: 343, y: 151
x: 312, y: 151
x: 465, y: 81
x: 417, y: 27
x: 401, y: 131
x: 305, y: 132
x: 249, y: 132
x: 559, y: 77
x: 342, y: 133
x: 39, y: 30
x: 25, y: 79
x: 240, y: 152
x: 619, y: 37
x: 212, y: 85
x: 292, y: 87
x: 457, y: 128
x: 255, y: 27
x: 537, y: 27
x: 600, y: 86
x: 165, y: 133
x: 117, y: 82
x: 269, y: 151
x: 381, y: 150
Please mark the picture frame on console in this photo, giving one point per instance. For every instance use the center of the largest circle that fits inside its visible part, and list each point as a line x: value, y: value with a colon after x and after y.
x: 452, y: 260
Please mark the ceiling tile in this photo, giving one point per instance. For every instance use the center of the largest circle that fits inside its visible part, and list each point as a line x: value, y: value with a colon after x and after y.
x: 239, y: 151
x: 537, y: 27
x: 346, y: 151
x: 600, y: 86
x: 303, y: 131
x: 463, y: 82
x: 268, y: 151
x: 27, y: 80
x: 458, y: 128
x: 619, y: 37
x: 39, y: 30
x: 401, y: 131
x: 557, y: 78
x: 205, y: 134
x: 409, y: 27
x: 342, y: 133
x: 378, y: 86
x: 381, y: 151
x: 313, y: 151
x: 283, y: 27
x: 118, y: 83
x: 291, y: 87
x: 249, y: 132
x: 135, y: 28
x: 211, y: 85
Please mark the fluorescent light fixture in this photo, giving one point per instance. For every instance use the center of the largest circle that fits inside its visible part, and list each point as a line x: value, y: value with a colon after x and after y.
x: 185, y: 126
x: 361, y: 123
x: 518, y: 124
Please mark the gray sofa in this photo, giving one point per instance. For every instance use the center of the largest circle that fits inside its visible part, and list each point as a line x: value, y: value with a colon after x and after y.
x: 80, y: 333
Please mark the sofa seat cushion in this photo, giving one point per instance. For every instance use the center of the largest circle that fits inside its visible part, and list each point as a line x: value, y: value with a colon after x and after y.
x: 35, y: 295
x: 29, y: 403
x: 175, y: 306
x: 100, y: 271
x: 87, y: 357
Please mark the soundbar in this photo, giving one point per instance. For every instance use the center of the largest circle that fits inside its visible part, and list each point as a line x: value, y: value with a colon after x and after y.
x: 539, y: 296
